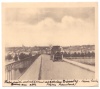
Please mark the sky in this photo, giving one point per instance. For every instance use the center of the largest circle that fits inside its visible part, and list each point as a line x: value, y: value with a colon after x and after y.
x: 49, y: 26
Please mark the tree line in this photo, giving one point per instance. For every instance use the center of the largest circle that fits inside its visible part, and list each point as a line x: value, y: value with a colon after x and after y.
x: 75, y: 54
x: 21, y: 56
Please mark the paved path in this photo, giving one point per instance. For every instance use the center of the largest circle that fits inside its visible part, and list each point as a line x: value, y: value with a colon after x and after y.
x: 45, y: 69
x: 85, y: 66
x: 62, y: 70
x: 32, y: 73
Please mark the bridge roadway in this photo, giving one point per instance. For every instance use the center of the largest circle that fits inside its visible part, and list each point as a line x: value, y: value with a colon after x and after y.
x: 45, y: 69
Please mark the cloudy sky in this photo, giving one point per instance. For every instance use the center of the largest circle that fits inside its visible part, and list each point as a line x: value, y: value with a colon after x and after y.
x: 45, y: 26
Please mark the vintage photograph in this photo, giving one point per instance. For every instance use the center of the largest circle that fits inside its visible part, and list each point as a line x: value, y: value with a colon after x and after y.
x: 50, y: 44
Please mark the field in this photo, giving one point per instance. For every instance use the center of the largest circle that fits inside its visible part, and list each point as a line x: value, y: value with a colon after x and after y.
x: 88, y: 61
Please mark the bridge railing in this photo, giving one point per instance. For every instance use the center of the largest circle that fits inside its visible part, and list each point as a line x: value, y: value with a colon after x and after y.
x: 14, y: 70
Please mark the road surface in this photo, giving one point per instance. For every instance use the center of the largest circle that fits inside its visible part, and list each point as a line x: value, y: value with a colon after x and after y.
x: 62, y: 70
x: 45, y: 69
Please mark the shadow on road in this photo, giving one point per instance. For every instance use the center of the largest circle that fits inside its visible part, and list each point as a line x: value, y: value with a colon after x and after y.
x: 59, y: 61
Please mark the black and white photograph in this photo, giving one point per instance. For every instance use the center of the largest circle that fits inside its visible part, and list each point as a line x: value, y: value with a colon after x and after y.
x: 50, y: 44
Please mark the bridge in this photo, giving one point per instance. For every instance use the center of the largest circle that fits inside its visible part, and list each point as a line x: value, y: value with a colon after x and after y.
x: 41, y: 67
x: 13, y: 70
